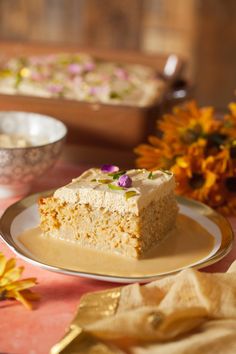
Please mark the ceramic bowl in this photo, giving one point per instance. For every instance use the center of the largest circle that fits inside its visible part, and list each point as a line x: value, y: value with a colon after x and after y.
x: 20, y: 166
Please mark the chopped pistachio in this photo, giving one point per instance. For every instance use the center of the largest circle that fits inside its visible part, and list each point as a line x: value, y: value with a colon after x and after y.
x: 150, y: 176
x: 167, y: 172
x: 113, y: 186
x: 130, y: 194
x: 115, y: 95
x: 104, y: 181
x: 153, y: 176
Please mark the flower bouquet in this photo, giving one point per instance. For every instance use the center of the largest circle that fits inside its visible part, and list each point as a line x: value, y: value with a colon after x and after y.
x: 200, y: 149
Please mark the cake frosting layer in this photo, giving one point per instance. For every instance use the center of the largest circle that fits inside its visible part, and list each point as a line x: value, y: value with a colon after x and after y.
x: 101, y: 190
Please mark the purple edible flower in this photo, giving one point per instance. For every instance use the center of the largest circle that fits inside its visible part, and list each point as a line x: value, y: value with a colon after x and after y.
x: 57, y: 88
x: 89, y: 66
x: 36, y: 76
x: 50, y: 59
x: 109, y: 168
x: 93, y: 90
x: 74, y: 68
x: 77, y: 80
x: 121, y: 74
x: 125, y: 181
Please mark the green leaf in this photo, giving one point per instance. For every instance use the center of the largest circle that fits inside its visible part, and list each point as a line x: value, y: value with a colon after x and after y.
x: 130, y: 194
x: 115, y: 187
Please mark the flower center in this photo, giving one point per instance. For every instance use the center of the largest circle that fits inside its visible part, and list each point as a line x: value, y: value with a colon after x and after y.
x: 192, y: 134
x: 196, y: 181
x: 214, y: 143
x: 230, y: 183
x: 233, y: 152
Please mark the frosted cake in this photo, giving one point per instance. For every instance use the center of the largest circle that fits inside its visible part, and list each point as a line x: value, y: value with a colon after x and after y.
x: 80, y: 77
x: 125, y: 212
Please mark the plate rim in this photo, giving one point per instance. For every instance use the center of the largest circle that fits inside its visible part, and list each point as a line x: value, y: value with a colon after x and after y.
x: 227, y: 239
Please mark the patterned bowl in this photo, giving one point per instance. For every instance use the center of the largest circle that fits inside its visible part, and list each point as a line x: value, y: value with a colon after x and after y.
x: 20, y: 166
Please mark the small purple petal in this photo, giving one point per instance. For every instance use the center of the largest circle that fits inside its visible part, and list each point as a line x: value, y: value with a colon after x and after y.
x: 55, y: 88
x: 50, y: 59
x: 89, y: 66
x: 122, y: 74
x: 74, y: 68
x: 77, y: 80
x: 93, y: 90
x: 37, y: 60
x: 109, y: 168
x: 125, y: 181
x: 36, y: 76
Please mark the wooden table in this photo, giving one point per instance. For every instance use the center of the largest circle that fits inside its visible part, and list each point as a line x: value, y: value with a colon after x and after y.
x: 35, y: 332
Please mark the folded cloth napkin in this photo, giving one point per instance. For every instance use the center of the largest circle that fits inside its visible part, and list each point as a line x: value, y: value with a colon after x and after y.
x: 190, y: 312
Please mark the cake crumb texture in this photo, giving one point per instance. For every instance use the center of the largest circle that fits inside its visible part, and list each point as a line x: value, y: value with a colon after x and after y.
x: 127, y: 234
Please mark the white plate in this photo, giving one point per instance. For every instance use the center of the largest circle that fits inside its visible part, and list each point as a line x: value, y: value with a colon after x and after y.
x: 24, y: 215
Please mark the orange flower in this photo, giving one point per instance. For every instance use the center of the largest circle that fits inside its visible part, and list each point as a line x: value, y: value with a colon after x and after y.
x: 187, y: 124
x: 229, y: 122
x: 193, y: 179
x: 223, y: 195
x: 198, y: 186
x: 200, y: 150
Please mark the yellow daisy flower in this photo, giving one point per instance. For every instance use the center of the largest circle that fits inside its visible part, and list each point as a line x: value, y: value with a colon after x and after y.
x: 10, y: 285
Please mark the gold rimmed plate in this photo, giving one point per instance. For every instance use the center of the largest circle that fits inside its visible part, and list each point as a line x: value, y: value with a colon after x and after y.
x: 200, y: 238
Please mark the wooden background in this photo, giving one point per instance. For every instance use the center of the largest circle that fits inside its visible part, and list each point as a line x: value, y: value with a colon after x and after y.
x: 203, y: 31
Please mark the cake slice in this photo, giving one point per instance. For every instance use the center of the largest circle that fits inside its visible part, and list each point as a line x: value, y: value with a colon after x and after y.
x: 125, y: 212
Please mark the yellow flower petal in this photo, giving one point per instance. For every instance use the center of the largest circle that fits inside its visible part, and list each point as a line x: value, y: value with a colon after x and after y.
x: 181, y: 162
x: 11, y: 276
x: 11, y: 263
x: 3, y: 263
x: 211, y: 178
x: 21, y: 284
x: 18, y: 296
x: 30, y: 295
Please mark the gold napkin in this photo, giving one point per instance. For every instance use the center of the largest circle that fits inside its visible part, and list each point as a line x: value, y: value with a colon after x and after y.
x: 190, y: 312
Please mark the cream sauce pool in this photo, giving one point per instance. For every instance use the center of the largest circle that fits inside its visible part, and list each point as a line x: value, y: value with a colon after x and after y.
x: 188, y: 243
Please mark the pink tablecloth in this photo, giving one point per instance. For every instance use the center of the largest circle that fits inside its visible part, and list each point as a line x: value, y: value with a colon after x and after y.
x: 35, y: 332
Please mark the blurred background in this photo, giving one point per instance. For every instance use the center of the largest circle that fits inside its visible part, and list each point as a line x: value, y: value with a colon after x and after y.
x: 203, y: 32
